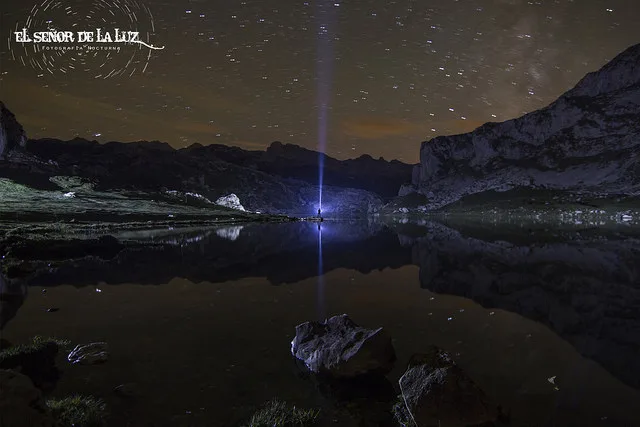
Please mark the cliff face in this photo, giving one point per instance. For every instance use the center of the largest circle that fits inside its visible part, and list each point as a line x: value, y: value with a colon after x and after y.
x: 12, y: 134
x: 586, y: 142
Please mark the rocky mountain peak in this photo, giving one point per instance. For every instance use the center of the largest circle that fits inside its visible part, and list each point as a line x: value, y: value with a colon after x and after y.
x: 586, y: 142
x: 12, y: 135
x: 276, y: 146
x: 622, y: 72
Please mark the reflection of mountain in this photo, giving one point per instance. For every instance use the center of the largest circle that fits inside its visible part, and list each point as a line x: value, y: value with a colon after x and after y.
x: 280, y: 254
x: 230, y: 233
x: 586, y: 290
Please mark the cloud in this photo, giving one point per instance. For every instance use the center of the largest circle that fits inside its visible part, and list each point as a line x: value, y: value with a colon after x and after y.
x: 377, y: 127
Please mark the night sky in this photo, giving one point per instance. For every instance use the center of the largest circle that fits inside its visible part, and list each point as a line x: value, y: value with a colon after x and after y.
x: 390, y: 74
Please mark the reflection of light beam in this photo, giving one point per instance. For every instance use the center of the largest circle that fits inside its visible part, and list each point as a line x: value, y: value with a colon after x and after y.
x: 320, y: 304
x: 324, y: 64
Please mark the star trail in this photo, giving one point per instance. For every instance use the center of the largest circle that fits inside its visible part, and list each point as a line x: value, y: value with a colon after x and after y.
x: 246, y: 73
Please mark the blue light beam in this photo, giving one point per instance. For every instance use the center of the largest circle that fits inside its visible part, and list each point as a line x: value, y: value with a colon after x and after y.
x: 326, y: 12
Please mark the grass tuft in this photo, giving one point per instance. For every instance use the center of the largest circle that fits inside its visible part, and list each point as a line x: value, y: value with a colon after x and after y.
x: 36, y: 345
x: 278, y: 414
x: 78, y: 411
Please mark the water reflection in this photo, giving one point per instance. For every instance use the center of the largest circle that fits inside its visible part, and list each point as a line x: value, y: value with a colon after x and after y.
x: 583, y: 285
x: 282, y: 253
x: 586, y: 288
x: 321, y: 309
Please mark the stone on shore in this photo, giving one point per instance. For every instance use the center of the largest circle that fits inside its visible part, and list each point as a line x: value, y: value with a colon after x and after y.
x: 339, y: 348
x: 21, y: 403
x: 435, y: 392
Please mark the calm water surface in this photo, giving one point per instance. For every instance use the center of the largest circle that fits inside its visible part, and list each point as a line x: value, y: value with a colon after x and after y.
x: 203, y: 326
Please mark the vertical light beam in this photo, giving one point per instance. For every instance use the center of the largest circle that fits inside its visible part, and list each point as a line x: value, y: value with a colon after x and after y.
x: 325, y: 17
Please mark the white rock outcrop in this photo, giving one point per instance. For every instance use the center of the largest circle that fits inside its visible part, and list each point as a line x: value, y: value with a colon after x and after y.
x: 231, y: 201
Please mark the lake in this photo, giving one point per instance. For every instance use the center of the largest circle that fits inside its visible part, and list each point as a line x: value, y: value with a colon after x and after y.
x: 545, y: 319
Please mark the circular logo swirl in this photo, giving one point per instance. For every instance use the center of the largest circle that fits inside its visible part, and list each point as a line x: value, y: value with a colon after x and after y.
x: 105, y: 38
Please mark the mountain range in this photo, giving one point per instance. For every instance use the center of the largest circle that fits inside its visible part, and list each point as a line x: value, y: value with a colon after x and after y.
x: 585, y: 144
x: 283, y: 179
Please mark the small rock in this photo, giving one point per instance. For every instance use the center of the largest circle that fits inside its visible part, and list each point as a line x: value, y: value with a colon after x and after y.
x: 341, y: 349
x: 436, y: 392
x: 21, y: 403
x: 127, y: 390
x: 89, y: 354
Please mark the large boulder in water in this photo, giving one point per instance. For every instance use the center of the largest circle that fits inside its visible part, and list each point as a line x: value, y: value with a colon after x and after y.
x: 339, y: 348
x: 21, y: 403
x: 435, y: 392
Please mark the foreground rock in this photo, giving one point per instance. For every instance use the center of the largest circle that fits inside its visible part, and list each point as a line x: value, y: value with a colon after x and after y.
x: 436, y: 392
x: 89, y: 354
x: 21, y: 403
x: 341, y: 349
